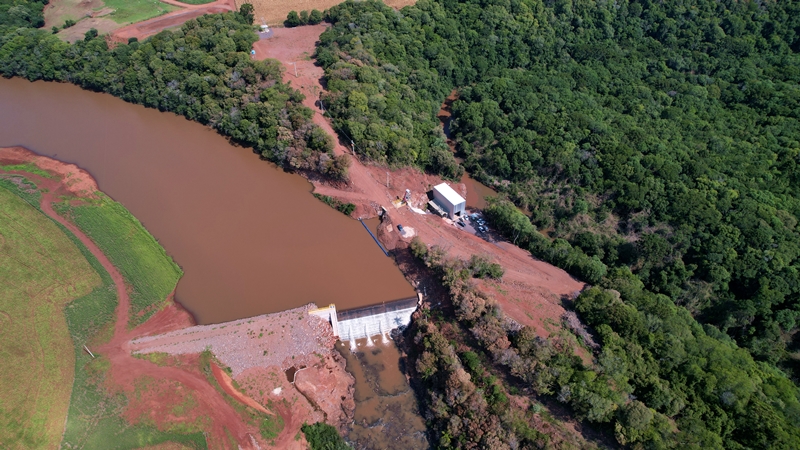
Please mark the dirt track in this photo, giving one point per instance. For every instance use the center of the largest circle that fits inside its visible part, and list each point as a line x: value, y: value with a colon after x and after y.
x: 142, y: 30
x: 531, y: 292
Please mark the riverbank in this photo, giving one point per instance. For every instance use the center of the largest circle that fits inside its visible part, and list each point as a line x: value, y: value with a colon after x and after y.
x: 184, y: 392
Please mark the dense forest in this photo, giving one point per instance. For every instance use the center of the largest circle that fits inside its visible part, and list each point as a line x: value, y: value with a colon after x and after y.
x: 662, y: 137
x: 657, y: 380
x: 202, y: 71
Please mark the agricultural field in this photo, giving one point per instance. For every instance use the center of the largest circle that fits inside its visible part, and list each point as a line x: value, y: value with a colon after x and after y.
x: 132, y: 11
x: 104, y: 16
x: 274, y: 12
x: 148, y: 270
x: 41, y: 271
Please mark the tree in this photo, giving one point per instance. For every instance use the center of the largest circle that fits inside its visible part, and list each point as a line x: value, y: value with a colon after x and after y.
x: 315, y: 17
x: 89, y: 35
x: 246, y: 12
x: 292, y: 20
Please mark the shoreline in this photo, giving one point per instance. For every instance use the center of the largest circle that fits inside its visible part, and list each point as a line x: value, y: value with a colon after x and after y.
x: 324, y: 393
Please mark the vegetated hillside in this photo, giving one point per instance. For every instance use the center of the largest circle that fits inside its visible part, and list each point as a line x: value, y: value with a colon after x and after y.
x: 202, y: 71
x: 658, y: 380
x: 659, y: 136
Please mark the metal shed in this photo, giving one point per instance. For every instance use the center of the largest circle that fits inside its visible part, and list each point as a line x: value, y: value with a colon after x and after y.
x: 449, y: 200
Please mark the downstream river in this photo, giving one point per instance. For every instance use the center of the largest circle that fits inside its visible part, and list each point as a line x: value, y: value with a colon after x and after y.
x: 249, y: 237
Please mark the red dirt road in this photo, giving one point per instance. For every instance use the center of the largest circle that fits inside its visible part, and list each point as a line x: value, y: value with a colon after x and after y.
x: 531, y: 291
x: 155, y: 25
x: 125, y: 369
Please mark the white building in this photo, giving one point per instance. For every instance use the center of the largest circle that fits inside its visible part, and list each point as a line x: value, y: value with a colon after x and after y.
x: 449, y: 200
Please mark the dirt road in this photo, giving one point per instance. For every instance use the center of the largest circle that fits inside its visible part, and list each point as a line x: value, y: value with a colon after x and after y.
x: 531, y: 292
x: 147, y: 28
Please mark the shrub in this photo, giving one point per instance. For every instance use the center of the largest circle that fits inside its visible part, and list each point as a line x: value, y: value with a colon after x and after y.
x: 322, y: 436
x: 418, y: 248
x: 481, y: 267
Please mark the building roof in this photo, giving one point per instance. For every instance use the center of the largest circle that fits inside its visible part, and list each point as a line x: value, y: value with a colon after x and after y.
x: 449, y: 194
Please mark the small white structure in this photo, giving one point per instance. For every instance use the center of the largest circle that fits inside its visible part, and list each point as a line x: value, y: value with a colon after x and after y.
x: 449, y: 200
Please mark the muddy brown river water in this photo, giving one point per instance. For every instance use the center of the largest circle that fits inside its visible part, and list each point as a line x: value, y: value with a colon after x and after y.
x: 249, y: 237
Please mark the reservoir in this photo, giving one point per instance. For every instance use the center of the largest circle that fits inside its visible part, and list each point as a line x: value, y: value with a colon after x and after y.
x: 249, y: 237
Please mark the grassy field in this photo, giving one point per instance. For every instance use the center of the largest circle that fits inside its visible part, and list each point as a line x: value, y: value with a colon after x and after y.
x: 45, y: 375
x: 147, y: 269
x: 41, y: 270
x: 132, y: 11
x: 93, y: 419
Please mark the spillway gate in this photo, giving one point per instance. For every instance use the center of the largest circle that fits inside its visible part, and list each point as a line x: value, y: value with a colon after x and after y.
x: 358, y: 323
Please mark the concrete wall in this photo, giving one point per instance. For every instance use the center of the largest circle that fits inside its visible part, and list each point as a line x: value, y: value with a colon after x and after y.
x: 328, y: 314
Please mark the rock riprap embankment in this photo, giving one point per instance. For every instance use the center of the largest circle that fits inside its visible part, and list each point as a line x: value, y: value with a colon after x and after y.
x: 259, y: 350
x: 285, y: 339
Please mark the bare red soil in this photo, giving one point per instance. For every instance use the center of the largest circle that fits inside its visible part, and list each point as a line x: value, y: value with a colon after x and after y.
x: 227, y: 385
x: 531, y: 291
x: 155, y: 25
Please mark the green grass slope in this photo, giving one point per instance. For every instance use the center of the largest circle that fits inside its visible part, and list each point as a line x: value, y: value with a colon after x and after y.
x: 41, y: 270
x: 147, y: 268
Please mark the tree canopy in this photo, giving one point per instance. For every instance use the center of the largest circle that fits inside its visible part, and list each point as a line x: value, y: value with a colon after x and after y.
x: 659, y: 136
x: 202, y: 71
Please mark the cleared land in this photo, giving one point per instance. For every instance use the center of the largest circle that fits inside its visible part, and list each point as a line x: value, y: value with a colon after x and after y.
x: 142, y: 30
x: 274, y: 12
x: 94, y: 417
x: 41, y: 270
x: 103, y: 15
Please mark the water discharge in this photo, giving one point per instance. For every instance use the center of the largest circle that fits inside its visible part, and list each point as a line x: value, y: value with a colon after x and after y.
x: 386, y: 413
x: 249, y: 237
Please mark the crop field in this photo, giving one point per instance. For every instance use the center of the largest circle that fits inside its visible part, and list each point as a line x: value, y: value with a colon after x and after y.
x: 122, y: 12
x: 41, y: 270
x: 274, y: 12
x: 132, y: 11
x: 147, y: 268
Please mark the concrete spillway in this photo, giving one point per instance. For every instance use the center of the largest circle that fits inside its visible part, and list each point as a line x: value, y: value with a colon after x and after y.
x: 373, y: 320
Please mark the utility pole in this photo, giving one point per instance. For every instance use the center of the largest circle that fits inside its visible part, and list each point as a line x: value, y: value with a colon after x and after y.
x: 295, y: 69
x: 387, y: 180
x: 353, y: 145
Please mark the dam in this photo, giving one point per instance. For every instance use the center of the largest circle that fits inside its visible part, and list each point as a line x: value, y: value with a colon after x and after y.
x: 359, y: 323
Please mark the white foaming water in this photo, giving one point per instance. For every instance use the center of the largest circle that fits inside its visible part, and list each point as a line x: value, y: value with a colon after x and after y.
x: 378, y: 324
x: 352, y: 341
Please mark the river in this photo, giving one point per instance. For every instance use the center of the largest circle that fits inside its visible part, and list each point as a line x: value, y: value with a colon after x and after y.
x: 249, y: 237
